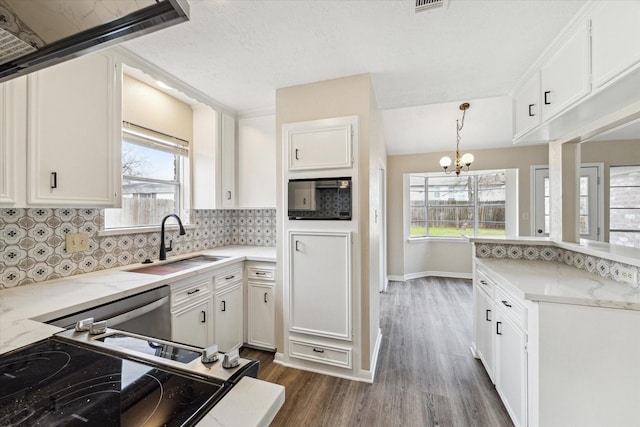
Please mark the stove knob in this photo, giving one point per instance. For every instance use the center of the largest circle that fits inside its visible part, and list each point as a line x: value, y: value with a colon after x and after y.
x: 97, y: 328
x: 210, y: 354
x: 231, y: 359
x: 84, y: 324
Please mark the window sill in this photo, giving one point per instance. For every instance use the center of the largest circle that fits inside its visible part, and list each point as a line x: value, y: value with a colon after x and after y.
x: 461, y: 239
x: 141, y: 230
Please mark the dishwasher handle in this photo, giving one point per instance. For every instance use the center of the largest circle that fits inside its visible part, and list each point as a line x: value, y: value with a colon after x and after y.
x: 121, y: 318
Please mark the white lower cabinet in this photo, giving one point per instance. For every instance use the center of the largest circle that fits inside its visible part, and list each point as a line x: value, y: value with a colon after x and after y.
x: 511, y: 367
x: 500, y: 342
x: 228, y: 318
x: 191, y: 325
x: 261, y: 315
x: 191, y: 311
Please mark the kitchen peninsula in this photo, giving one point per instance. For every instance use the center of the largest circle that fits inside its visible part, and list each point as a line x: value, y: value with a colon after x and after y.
x: 557, y: 329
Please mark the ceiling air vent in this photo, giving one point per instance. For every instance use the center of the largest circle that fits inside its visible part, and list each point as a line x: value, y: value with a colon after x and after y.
x: 426, y: 5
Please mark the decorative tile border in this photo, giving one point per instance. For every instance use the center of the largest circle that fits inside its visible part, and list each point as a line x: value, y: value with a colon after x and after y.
x: 32, y: 241
x: 598, y: 266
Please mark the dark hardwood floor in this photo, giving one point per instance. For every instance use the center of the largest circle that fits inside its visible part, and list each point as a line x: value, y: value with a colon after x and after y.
x: 426, y: 375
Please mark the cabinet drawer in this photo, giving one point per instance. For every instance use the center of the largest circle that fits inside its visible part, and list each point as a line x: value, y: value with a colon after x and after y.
x: 329, y: 355
x: 261, y: 273
x: 229, y: 276
x: 484, y: 283
x: 511, y: 307
x: 186, y: 293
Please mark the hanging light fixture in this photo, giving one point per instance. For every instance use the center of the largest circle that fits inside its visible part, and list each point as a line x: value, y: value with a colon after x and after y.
x: 460, y: 162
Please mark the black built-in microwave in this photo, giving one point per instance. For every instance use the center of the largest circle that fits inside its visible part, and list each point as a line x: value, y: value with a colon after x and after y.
x: 320, y: 198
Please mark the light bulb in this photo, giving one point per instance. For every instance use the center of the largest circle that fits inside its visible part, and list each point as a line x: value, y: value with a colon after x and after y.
x: 467, y: 159
x: 445, y: 162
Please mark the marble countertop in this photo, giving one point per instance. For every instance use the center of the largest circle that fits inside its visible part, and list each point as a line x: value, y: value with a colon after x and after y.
x: 555, y: 282
x: 24, y: 309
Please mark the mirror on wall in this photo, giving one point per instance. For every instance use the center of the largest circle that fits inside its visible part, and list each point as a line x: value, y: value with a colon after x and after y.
x: 38, y: 33
x: 618, y: 150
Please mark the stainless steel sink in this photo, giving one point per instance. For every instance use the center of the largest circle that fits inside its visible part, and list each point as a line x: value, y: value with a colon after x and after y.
x: 178, y: 265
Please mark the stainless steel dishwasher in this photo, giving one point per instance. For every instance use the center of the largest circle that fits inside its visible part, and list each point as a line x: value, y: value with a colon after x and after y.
x: 147, y: 313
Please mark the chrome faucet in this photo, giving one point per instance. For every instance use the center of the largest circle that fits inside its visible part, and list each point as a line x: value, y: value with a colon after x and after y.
x: 163, y: 249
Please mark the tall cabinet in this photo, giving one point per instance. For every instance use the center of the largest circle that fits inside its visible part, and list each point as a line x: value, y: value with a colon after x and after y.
x: 320, y: 301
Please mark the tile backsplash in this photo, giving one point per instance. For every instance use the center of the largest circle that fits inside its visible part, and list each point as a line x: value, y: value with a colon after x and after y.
x: 602, y: 267
x: 32, y: 241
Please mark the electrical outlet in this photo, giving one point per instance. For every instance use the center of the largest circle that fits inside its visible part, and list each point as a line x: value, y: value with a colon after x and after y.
x: 77, y: 242
x: 629, y: 275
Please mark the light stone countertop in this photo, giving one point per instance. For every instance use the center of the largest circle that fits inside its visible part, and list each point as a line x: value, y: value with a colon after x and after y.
x: 548, y: 281
x: 23, y: 310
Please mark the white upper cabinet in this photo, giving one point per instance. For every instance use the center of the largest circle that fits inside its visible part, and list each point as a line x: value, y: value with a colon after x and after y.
x: 205, y: 158
x: 228, y: 165
x: 564, y: 77
x: 320, y: 144
x: 13, y: 135
x: 615, y: 39
x: 526, y: 106
x: 74, y: 133
x: 257, y: 162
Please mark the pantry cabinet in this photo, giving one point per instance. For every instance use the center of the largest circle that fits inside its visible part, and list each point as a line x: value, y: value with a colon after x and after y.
x: 615, y: 39
x: 74, y: 133
x: 320, y: 290
x: 320, y: 144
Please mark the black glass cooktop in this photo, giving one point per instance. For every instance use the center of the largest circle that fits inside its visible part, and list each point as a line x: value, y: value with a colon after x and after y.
x: 52, y: 383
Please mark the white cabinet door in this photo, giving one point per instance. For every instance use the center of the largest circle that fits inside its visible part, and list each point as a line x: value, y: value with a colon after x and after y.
x: 526, y: 106
x: 228, y: 318
x: 615, y: 39
x: 74, y: 123
x: 13, y: 142
x: 484, y: 321
x: 257, y: 162
x: 191, y: 324
x: 511, y: 368
x: 320, y: 283
x: 565, y: 76
x: 320, y: 144
x: 228, y: 165
x: 261, y: 315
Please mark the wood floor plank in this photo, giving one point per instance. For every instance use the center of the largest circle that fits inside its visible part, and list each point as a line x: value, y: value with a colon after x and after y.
x: 426, y: 375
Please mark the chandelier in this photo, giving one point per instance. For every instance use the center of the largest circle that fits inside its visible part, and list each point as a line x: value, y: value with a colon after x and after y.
x: 461, y: 163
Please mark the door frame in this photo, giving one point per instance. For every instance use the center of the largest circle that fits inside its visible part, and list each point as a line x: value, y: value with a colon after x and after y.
x: 599, y: 195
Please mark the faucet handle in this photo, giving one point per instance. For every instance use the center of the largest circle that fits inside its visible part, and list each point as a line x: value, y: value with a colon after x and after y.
x: 170, y: 247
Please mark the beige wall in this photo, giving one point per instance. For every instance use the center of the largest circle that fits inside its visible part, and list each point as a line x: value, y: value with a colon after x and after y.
x: 145, y: 106
x: 335, y: 98
x: 405, y: 259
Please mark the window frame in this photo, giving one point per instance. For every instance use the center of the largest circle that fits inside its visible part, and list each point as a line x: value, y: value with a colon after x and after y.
x: 144, y: 137
x: 611, y: 208
x: 475, y: 204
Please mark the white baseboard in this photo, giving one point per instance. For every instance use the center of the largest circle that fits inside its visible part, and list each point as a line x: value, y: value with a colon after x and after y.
x: 369, y: 375
x: 454, y: 275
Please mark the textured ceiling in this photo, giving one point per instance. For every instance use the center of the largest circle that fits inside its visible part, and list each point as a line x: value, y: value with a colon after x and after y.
x: 239, y: 52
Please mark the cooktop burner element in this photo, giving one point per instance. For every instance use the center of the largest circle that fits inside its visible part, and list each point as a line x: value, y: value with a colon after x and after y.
x: 55, y: 383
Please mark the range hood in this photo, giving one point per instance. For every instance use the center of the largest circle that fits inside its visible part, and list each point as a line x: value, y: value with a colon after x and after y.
x: 38, y: 33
